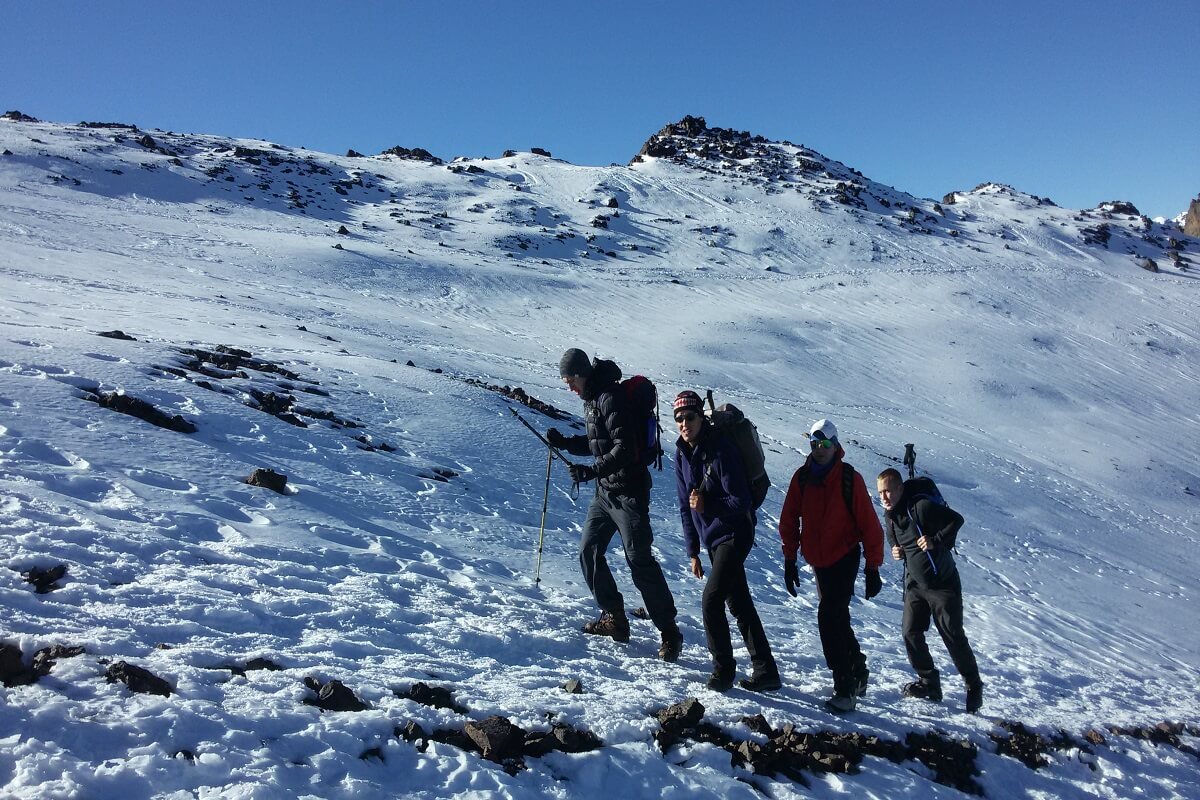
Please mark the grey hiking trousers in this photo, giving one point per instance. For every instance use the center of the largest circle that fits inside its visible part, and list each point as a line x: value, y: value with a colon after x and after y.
x: 629, y: 515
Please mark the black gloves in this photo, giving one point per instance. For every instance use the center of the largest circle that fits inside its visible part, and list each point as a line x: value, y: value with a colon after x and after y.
x: 582, y: 473
x: 791, y: 576
x: 874, y: 584
x: 555, y: 438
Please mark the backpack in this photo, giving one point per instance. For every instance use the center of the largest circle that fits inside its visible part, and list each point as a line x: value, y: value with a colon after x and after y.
x: 737, y: 427
x: 924, y: 488
x: 641, y: 398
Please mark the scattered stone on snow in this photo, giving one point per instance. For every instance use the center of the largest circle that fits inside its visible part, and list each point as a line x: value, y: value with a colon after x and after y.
x: 45, y: 659
x: 134, y: 407
x: 334, y: 696
x: 562, y: 738
x: 253, y: 665
x: 432, y: 696
x: 137, y: 679
x: 45, y: 580
x: 573, y: 686
x: 518, y: 394
x: 116, y: 334
x: 13, y: 671
x: 497, y: 739
x: 268, y: 479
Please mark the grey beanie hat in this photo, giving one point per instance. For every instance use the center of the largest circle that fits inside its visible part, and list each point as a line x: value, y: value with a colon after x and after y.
x: 574, y: 362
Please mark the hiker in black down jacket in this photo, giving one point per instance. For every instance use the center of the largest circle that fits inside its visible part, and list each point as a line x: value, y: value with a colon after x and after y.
x: 621, y: 503
x: 919, y: 530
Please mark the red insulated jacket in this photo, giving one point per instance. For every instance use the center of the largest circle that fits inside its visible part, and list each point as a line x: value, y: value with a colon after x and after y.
x: 816, y: 521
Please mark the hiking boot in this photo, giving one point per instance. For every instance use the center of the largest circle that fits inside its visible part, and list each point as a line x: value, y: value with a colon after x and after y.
x: 763, y: 682
x: 845, y: 695
x: 720, y: 681
x: 842, y: 703
x: 926, y: 691
x: 613, y: 625
x: 672, y: 643
x: 974, y: 697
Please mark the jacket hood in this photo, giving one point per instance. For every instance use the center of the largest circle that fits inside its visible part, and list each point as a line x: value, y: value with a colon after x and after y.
x: 605, y: 373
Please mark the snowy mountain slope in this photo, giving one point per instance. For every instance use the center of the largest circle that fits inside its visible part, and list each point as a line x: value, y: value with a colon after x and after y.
x: 1047, y: 381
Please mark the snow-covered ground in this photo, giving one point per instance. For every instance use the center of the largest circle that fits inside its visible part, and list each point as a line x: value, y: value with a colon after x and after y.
x: 1049, y: 384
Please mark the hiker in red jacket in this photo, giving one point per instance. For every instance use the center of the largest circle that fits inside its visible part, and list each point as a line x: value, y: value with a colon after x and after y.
x: 829, y: 518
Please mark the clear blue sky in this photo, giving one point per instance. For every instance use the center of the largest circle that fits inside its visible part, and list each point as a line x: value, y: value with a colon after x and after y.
x: 1079, y: 101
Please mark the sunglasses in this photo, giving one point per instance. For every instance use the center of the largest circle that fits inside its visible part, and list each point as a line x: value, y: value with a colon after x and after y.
x: 820, y: 444
x: 686, y: 417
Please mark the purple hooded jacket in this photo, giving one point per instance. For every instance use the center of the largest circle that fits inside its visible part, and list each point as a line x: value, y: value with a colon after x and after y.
x: 714, y: 467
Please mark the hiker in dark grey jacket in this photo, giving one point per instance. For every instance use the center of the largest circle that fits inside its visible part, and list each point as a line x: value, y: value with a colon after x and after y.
x: 717, y: 512
x: 920, y: 530
x: 621, y: 503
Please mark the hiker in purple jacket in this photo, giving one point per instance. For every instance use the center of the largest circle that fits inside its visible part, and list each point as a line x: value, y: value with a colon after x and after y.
x: 717, y: 512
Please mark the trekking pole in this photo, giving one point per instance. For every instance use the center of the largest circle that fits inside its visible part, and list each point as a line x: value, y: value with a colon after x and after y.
x: 554, y: 453
x: 537, y: 576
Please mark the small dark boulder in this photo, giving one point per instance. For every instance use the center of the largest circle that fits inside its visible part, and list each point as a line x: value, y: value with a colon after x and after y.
x: 268, y: 479
x: 537, y: 151
x: 45, y: 659
x: 333, y: 696
x: 116, y: 334
x: 432, y: 696
x: 573, y: 686
x: 137, y: 679
x: 343, y: 230
x: 562, y: 738
x: 45, y: 580
x: 497, y: 739
x: 17, y: 116
x: 127, y: 404
x: 353, y: 154
x: 13, y: 671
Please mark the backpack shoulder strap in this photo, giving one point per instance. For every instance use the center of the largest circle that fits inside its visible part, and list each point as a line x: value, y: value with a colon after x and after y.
x: 848, y: 489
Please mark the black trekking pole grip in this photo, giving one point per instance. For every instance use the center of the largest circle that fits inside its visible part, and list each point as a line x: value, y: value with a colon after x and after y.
x: 553, y: 450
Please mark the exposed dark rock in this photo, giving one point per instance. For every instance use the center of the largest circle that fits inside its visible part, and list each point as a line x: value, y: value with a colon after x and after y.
x: 253, y: 665
x: 13, y: 671
x: 518, y: 394
x: 343, y: 230
x: 353, y: 154
x: 675, y: 720
x: 612, y: 203
x: 1028, y: 747
x: 953, y: 762
x: 114, y: 125
x: 333, y: 696
x: 496, y: 738
x: 414, y: 734
x: 1119, y: 207
x: 537, y: 151
x: 1148, y: 264
x: 137, y: 679
x: 268, y: 479
x: 17, y: 116
x: 508, y: 154
x: 415, y: 154
x: 115, y: 334
x: 573, y: 686
x: 45, y: 580
x: 1191, y: 220
x: 127, y: 404
x: 147, y: 141
x: 600, y: 221
x: 563, y: 738
x: 45, y: 659
x: 432, y: 696
x: 1099, y: 234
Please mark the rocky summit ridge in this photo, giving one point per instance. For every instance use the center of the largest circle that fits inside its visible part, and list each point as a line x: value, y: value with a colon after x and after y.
x: 694, y: 194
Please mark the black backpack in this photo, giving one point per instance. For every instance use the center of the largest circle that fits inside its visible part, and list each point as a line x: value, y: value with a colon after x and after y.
x: 731, y: 423
x: 924, y: 488
x: 641, y: 398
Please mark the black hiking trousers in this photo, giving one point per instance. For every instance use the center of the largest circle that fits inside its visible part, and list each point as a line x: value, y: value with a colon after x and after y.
x: 945, y: 607
x: 835, y: 587
x: 629, y: 515
x: 727, y: 586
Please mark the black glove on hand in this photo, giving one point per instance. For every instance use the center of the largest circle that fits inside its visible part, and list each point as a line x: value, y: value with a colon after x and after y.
x: 874, y: 584
x: 791, y: 576
x: 555, y: 438
x: 582, y: 473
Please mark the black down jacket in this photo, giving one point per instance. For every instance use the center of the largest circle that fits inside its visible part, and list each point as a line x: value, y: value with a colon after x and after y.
x: 611, y: 429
